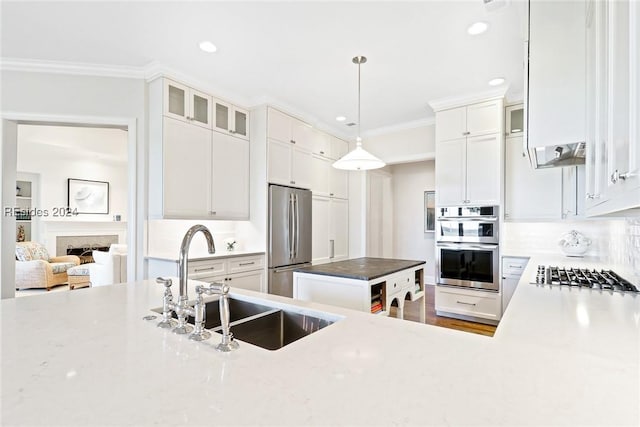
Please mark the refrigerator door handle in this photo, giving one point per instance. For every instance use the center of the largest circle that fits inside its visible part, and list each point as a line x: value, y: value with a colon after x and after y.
x: 290, y: 218
x: 297, y: 247
x: 295, y: 267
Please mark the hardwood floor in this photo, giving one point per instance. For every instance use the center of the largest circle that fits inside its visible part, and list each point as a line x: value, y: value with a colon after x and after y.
x: 412, y: 313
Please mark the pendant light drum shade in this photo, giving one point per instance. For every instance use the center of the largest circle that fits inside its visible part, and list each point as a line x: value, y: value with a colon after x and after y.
x: 359, y: 158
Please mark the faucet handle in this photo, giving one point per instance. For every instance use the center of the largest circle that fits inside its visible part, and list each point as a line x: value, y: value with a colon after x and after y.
x: 166, y: 282
x: 214, y: 289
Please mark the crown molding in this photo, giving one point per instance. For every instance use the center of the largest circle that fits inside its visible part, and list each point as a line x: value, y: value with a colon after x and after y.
x: 412, y: 158
x: 74, y: 68
x: 414, y: 124
x: 457, y: 101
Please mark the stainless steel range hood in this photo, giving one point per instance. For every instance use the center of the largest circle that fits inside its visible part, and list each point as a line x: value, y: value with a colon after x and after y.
x: 552, y: 156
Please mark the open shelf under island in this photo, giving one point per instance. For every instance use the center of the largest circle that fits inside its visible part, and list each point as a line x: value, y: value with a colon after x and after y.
x: 366, y: 284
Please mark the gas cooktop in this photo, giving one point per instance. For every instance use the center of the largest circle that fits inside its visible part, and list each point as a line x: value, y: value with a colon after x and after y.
x: 582, y: 278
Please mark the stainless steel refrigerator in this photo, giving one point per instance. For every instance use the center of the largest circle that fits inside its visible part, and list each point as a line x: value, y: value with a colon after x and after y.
x: 289, y: 236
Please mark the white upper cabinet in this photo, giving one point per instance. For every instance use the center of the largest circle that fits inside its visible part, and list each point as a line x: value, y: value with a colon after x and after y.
x: 338, y: 183
x: 451, y: 159
x: 514, y: 120
x: 230, y: 177
x: 556, y: 73
x: 472, y: 120
x: 285, y: 128
x: 229, y: 118
x: 469, y: 154
x: 195, y: 170
x: 321, y: 143
x: 320, y: 176
x: 483, y: 169
x: 186, y: 170
x: 613, y: 106
x: 339, y: 148
x: 530, y: 194
x: 184, y: 103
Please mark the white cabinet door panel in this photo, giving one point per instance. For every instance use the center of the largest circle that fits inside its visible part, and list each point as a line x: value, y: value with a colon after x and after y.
x: 302, y: 134
x: 230, y: 182
x: 530, y: 193
x: 451, y: 124
x: 320, y: 230
x: 301, y: 167
x: 279, y: 126
x: 450, y: 172
x: 320, y: 176
x: 253, y: 281
x: 186, y: 169
x: 338, y: 183
x: 483, y: 170
x: 338, y: 148
x: 484, y: 118
x: 279, y: 162
x: 339, y: 229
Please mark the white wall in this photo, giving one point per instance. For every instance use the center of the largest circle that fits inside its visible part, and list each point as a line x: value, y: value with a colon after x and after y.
x: 402, y: 146
x: 61, y: 97
x: 56, y: 164
x: 410, y: 181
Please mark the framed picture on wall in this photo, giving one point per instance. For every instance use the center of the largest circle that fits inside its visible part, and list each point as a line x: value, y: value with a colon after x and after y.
x: 87, y: 197
x: 429, y: 211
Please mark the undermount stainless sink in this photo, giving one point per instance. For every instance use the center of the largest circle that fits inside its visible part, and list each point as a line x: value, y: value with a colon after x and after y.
x: 277, y: 328
x: 265, y: 326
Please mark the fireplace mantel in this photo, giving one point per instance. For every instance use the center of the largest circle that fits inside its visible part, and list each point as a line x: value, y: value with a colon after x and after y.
x: 51, y: 229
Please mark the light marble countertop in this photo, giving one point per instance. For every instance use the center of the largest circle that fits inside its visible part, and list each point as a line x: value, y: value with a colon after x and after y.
x: 86, y: 357
x: 202, y: 256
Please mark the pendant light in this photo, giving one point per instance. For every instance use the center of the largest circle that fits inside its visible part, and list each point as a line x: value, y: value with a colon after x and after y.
x: 358, y: 159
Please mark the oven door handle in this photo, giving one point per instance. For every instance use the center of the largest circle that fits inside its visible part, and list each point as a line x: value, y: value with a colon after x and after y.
x: 458, y: 246
x: 468, y: 218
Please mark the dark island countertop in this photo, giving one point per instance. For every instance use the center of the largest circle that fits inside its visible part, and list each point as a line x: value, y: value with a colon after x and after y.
x: 361, y: 268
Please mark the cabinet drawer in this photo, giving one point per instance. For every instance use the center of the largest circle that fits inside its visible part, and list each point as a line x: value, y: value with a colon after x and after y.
x: 200, y: 269
x: 477, y: 304
x: 237, y: 265
x: 400, y: 282
x: 513, y: 266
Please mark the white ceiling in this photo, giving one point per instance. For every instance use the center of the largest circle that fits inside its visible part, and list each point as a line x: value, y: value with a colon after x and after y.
x: 104, y: 144
x: 295, y: 54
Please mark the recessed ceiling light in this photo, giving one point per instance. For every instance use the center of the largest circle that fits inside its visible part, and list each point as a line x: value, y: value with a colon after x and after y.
x: 341, y: 118
x: 496, y: 82
x: 477, y: 28
x: 207, y: 46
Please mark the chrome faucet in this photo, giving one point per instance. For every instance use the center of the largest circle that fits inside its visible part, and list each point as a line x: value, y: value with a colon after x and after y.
x: 181, y: 308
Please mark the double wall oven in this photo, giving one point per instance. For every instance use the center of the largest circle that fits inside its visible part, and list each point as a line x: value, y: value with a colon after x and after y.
x: 467, y: 247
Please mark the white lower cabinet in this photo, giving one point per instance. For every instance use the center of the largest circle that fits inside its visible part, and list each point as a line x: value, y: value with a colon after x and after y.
x: 242, y: 271
x: 512, y: 268
x: 468, y: 304
x: 330, y: 229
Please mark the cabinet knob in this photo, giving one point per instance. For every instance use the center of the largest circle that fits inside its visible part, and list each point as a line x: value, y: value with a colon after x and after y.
x: 331, y: 194
x: 292, y: 182
x: 593, y: 196
x: 321, y: 152
x: 466, y: 133
x: 212, y: 213
x: 232, y: 131
x: 292, y: 141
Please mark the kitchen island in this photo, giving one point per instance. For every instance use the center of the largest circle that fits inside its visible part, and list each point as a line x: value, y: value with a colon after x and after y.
x: 372, y: 285
x: 560, y: 356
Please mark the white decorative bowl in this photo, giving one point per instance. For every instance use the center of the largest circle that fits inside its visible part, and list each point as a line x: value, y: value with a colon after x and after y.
x: 574, y: 244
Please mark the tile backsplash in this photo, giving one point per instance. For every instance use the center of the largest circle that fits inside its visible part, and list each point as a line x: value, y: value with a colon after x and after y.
x: 613, y: 241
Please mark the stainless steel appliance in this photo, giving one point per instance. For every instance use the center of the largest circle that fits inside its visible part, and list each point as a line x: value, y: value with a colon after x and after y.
x: 467, y: 251
x: 289, y: 236
x: 582, y: 278
x: 471, y: 224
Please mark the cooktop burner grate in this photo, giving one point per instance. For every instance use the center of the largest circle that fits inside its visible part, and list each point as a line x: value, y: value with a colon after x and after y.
x: 583, y: 278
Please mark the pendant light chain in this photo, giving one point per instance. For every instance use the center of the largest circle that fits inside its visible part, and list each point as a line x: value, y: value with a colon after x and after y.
x: 359, y: 139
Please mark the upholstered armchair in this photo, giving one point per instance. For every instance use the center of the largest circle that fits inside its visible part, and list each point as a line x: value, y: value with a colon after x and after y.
x: 110, y: 267
x: 36, y: 269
